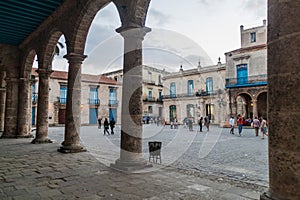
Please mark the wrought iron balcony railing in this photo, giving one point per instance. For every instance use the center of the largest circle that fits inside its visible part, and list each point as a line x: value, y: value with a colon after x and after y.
x: 34, y: 98
x: 94, y: 101
x: 150, y: 99
x: 113, y: 103
x: 247, y: 81
x: 194, y: 94
x: 147, y: 81
x: 62, y: 100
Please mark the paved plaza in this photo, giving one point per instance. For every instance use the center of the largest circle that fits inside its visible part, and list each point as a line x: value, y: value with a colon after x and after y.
x: 213, y: 165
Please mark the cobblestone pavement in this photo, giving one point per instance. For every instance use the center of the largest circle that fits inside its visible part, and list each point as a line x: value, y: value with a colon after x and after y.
x: 201, y: 166
x: 216, y: 152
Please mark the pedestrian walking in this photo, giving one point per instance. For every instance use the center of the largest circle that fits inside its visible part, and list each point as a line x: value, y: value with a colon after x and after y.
x: 240, y: 123
x: 207, y: 122
x: 263, y: 127
x: 256, y: 125
x: 163, y: 122
x: 99, y: 122
x: 200, y: 122
x: 231, y: 122
x: 190, y: 124
x: 112, y: 125
x: 106, y: 126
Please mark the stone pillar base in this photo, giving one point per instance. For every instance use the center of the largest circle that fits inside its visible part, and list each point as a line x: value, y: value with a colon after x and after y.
x: 41, y: 141
x: 267, y: 196
x: 71, y: 149
x: 25, y: 136
x: 125, y: 165
x: 8, y: 137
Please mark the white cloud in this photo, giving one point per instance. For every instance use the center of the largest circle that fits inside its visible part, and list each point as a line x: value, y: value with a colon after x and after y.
x: 196, y: 30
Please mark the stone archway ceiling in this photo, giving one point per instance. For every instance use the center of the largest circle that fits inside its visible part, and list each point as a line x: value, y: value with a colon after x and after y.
x: 19, y: 18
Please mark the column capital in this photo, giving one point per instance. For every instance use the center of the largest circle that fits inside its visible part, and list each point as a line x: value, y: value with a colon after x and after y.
x: 25, y: 80
x: 133, y: 31
x: 45, y: 72
x: 10, y: 79
x: 75, y: 57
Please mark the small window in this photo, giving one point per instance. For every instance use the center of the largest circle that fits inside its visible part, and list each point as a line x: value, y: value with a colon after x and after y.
x: 253, y: 37
x: 150, y: 109
x: 116, y: 78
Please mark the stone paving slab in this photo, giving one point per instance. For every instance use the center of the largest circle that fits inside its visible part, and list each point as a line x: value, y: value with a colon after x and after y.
x: 38, y: 171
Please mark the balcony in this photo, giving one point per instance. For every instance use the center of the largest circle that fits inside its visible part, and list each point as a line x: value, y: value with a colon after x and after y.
x: 34, y: 98
x: 247, y: 81
x: 113, y: 103
x: 62, y: 100
x: 184, y: 95
x: 149, y: 82
x: 94, y: 101
x: 149, y: 99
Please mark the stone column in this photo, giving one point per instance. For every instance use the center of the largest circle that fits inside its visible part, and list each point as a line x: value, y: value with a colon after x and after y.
x: 24, y: 109
x: 11, y: 108
x: 71, y: 143
x: 234, y: 108
x: 43, y: 107
x: 2, y: 100
x: 131, y: 129
x: 283, y: 99
x: 255, y: 111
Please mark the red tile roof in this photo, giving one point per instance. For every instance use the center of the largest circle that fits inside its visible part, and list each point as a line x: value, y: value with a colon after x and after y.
x: 62, y: 75
x: 247, y: 49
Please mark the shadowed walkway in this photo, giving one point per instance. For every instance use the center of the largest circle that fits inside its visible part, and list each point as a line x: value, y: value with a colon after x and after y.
x: 30, y: 171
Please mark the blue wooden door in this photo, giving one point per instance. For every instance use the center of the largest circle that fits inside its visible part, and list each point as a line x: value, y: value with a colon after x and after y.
x: 113, y: 114
x: 33, y: 116
x: 242, y: 74
x: 93, y: 116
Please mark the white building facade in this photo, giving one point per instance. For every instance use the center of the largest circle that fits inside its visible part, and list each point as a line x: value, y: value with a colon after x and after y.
x: 196, y: 93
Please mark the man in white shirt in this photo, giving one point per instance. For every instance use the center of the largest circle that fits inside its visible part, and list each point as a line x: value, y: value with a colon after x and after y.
x: 231, y: 122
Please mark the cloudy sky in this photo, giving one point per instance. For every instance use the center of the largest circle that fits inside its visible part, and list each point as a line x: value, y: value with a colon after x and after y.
x: 183, y: 33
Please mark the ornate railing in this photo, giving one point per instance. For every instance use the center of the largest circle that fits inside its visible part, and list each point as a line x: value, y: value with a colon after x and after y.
x: 113, y: 103
x: 194, y: 94
x: 62, y: 100
x: 149, y: 82
x: 149, y: 99
x: 247, y: 81
x: 34, y: 98
x: 94, y: 101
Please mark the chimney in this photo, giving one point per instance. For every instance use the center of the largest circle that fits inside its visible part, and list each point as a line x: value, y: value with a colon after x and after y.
x: 264, y: 22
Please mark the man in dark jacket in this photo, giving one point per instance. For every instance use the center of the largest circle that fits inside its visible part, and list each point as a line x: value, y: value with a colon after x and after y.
x: 112, y: 125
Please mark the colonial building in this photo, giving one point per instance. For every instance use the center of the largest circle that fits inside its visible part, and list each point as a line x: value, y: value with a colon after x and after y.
x: 194, y: 93
x: 100, y: 98
x: 152, y: 89
x: 246, y: 73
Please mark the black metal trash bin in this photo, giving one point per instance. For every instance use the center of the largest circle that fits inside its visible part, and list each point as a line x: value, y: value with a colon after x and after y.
x: 154, y: 151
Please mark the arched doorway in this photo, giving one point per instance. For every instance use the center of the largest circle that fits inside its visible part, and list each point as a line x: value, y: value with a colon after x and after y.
x: 262, y: 104
x: 244, y: 105
x: 173, y: 114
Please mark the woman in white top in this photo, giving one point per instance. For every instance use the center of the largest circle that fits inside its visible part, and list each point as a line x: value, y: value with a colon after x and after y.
x: 263, y: 127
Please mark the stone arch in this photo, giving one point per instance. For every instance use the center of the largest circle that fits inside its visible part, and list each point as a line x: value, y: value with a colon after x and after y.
x: 262, y: 105
x: 26, y: 63
x: 48, y: 53
x: 244, y: 104
x: 77, y: 34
